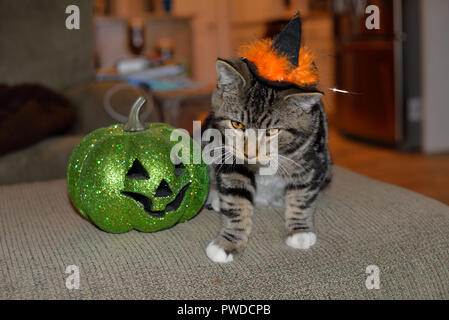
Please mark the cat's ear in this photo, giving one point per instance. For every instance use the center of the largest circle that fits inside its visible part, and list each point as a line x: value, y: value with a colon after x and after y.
x: 228, y: 75
x: 304, y: 100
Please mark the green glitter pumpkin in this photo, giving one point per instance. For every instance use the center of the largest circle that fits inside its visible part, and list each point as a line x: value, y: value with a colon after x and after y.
x: 122, y: 178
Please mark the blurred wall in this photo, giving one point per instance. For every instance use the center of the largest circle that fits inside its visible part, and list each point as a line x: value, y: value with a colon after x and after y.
x: 36, y: 46
x: 219, y: 27
x: 205, y: 30
x: 435, y: 71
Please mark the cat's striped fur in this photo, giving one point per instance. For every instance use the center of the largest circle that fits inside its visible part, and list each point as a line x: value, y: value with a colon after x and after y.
x: 304, y: 161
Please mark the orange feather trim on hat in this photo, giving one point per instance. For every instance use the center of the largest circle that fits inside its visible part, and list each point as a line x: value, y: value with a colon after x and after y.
x: 274, y: 66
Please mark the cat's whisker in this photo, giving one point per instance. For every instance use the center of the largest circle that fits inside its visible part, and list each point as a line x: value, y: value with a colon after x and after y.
x: 291, y: 160
x: 224, y: 148
x: 220, y: 155
x: 282, y: 167
x: 279, y: 166
x: 225, y: 156
x: 228, y: 155
x: 343, y: 91
x: 221, y: 147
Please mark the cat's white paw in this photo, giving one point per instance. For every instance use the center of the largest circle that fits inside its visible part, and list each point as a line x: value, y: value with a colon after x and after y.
x: 302, y: 240
x: 217, y: 254
x: 213, y: 201
x: 216, y: 204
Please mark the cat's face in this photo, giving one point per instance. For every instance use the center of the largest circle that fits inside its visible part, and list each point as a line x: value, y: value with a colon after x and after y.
x: 246, y: 108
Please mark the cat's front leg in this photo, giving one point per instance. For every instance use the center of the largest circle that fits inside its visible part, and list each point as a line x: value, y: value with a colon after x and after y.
x: 236, y: 189
x: 299, y: 216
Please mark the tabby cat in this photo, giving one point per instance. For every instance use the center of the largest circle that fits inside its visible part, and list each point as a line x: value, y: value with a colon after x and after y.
x: 241, y: 101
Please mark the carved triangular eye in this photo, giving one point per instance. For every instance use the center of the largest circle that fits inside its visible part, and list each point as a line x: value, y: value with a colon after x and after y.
x: 179, y: 169
x: 137, y: 171
x: 163, y: 190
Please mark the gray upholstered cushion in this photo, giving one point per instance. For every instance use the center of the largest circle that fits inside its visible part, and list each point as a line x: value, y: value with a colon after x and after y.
x: 360, y: 222
x: 48, y: 159
x: 36, y: 46
x: 44, y: 160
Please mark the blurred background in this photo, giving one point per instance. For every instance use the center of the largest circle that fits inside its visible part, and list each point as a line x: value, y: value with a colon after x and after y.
x: 58, y: 84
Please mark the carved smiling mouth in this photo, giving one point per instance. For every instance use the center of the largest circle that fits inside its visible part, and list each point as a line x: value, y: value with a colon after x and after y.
x: 146, y: 203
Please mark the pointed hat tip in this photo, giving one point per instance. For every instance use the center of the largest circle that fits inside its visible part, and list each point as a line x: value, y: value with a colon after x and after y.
x: 288, y: 41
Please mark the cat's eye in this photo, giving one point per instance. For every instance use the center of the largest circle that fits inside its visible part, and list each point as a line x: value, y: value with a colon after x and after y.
x: 271, y: 132
x: 237, y: 125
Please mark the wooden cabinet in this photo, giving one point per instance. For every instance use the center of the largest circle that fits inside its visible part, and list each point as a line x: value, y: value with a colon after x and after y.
x: 367, y: 68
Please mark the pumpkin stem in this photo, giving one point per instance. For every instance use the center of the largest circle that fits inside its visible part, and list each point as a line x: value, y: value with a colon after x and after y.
x: 134, y: 123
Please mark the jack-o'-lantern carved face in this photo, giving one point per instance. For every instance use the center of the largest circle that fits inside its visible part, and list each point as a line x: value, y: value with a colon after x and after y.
x: 125, y: 179
x: 163, y: 191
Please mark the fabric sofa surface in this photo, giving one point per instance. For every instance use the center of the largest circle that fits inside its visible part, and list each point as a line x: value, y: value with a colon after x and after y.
x: 360, y: 223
